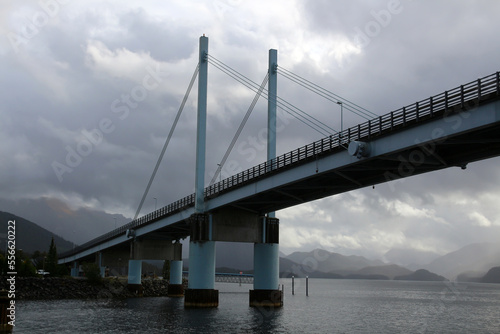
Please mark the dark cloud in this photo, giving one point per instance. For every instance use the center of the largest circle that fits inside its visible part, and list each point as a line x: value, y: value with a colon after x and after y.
x: 63, y: 84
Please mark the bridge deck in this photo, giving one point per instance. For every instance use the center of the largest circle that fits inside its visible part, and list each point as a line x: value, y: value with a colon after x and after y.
x: 468, y: 146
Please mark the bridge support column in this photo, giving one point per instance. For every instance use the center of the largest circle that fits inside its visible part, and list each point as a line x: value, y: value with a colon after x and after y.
x: 200, y: 292
x: 175, y: 286
x: 99, y: 263
x: 266, y: 267
x: 134, y: 276
x: 75, y: 269
x: 201, y: 281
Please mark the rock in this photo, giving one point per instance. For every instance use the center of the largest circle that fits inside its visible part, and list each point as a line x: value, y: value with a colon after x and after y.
x: 29, y: 288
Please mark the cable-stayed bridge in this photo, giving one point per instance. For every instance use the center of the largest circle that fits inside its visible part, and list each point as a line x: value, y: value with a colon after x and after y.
x: 448, y: 130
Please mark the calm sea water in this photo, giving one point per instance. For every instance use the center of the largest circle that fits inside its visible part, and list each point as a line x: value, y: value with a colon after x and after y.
x: 333, y: 306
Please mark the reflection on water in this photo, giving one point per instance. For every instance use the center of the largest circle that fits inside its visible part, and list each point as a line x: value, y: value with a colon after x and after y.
x: 333, y: 306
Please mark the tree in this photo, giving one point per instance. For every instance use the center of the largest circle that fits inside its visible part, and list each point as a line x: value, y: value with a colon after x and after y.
x: 51, y: 261
x: 24, y: 267
x: 92, y: 272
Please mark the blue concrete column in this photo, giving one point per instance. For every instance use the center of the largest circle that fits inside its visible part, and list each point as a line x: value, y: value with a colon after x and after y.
x: 271, y: 109
x: 266, y: 266
x: 271, y: 105
x: 99, y: 263
x: 175, y: 286
x: 201, y: 265
x: 74, y: 270
x: 201, y: 280
x: 175, y: 272
x: 201, y: 128
x: 134, y: 271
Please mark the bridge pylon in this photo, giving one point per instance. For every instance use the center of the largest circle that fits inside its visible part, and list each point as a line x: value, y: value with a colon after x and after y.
x: 201, y: 279
x: 266, y: 253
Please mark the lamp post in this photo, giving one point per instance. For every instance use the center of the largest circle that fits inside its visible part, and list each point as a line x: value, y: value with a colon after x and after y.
x: 220, y: 172
x: 155, y: 202
x: 341, y: 116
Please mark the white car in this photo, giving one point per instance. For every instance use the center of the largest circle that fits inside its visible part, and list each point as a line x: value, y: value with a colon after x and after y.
x: 42, y: 272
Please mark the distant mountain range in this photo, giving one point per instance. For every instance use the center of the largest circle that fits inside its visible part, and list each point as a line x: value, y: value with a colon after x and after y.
x: 29, y: 236
x: 410, y: 258
x: 477, y: 258
x: 421, y: 275
x: 471, y: 263
x: 323, y: 264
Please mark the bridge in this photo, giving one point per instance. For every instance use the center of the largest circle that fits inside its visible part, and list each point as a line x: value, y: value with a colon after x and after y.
x: 229, y: 277
x: 451, y: 129
x: 234, y: 278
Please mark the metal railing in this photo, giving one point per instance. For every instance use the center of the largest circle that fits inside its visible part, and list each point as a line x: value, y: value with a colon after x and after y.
x: 458, y: 99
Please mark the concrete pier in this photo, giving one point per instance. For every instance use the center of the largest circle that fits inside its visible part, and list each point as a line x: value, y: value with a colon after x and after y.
x: 75, y: 269
x: 201, y: 292
x: 266, y: 267
x: 134, y: 276
x: 175, y: 286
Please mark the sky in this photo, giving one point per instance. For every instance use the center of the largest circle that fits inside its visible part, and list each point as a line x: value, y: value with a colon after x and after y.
x: 90, y: 90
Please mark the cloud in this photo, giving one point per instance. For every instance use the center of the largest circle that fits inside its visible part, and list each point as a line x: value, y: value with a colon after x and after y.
x: 88, y: 69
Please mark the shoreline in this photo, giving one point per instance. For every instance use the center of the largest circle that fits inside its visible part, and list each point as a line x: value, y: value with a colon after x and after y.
x: 56, y: 288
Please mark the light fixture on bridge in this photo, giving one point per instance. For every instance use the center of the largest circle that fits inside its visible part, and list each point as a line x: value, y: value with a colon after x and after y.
x: 341, y: 116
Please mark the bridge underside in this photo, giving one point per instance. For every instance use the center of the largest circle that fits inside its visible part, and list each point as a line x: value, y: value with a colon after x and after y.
x: 452, y: 151
x: 401, y: 147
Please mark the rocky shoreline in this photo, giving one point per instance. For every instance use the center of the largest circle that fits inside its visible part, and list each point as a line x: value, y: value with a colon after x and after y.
x: 37, y: 288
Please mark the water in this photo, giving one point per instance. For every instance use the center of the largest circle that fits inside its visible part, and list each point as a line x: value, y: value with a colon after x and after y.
x: 333, y: 306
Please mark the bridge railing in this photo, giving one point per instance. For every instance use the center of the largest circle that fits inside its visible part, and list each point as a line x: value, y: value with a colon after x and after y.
x: 455, y: 100
x: 170, y: 209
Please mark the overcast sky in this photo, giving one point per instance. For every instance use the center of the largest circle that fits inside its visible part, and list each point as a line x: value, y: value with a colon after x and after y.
x: 122, y: 67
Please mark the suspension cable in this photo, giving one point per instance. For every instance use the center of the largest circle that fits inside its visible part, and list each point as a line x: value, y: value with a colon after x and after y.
x: 240, y: 128
x: 351, y: 106
x: 326, y: 96
x: 179, y: 112
x: 296, y: 112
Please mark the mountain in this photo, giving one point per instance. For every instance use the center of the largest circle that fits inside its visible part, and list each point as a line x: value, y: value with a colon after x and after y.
x: 327, y: 262
x: 235, y: 255
x: 421, y: 275
x: 390, y: 271
x: 410, y: 258
x: 29, y: 236
x: 475, y: 257
x: 492, y: 276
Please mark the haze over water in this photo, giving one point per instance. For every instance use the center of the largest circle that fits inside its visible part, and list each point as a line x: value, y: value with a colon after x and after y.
x: 333, y: 306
